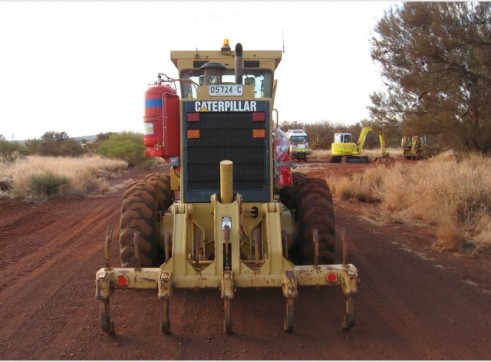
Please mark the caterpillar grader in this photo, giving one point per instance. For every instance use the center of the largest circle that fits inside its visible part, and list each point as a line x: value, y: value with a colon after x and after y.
x: 229, y: 213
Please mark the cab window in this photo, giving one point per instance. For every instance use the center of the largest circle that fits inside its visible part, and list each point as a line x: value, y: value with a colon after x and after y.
x: 260, y: 79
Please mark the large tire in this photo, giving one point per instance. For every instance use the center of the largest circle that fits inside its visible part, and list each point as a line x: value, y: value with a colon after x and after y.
x: 139, y: 213
x: 286, y: 193
x: 311, y: 200
x: 165, y: 196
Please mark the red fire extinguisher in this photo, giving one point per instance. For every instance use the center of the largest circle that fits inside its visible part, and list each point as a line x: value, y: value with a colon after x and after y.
x: 281, y: 148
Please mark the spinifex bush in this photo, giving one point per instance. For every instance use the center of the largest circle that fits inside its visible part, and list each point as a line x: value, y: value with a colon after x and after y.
x: 321, y: 154
x: 454, y: 195
x: 365, y: 186
x: 80, y: 174
x: 376, y: 152
x: 46, y: 184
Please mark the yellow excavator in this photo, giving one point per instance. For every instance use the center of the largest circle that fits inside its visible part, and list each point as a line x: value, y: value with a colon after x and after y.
x: 344, y: 150
x: 414, y: 147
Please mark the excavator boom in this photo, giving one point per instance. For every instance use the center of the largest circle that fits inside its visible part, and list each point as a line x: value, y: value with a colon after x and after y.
x: 361, y: 140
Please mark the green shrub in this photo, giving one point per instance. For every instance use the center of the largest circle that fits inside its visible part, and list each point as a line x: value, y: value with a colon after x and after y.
x: 46, y: 184
x: 54, y: 144
x: 127, y: 146
x: 9, y: 150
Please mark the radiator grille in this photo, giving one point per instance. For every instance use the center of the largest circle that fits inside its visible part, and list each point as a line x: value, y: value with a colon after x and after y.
x: 226, y: 136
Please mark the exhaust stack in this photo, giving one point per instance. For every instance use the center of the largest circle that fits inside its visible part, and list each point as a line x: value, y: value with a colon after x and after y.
x: 239, y: 66
x: 226, y: 181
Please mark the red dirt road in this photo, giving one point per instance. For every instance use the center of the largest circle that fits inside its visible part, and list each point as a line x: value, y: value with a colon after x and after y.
x: 414, y: 303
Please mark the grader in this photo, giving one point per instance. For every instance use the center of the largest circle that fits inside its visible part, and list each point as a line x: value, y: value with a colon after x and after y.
x: 229, y: 213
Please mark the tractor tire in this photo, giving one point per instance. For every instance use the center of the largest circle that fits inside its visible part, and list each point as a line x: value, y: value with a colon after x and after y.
x: 139, y: 213
x: 165, y: 196
x: 311, y: 200
x: 287, y: 192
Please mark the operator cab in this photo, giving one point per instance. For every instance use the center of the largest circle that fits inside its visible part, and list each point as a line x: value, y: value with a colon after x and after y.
x: 211, y: 73
x: 342, y: 138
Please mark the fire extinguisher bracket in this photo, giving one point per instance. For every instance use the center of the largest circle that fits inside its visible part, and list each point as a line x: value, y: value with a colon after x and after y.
x: 286, y: 164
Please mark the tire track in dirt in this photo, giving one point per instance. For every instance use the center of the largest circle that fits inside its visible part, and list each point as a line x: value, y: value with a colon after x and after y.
x: 76, y: 232
x: 13, y: 209
x: 26, y: 223
x: 416, y: 325
x: 18, y: 224
x: 62, y: 240
x: 407, y: 308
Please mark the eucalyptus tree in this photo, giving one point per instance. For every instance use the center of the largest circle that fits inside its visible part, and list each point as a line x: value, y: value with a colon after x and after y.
x: 436, y: 67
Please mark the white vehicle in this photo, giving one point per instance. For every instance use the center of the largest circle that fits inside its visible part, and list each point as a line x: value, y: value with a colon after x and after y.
x: 299, y: 144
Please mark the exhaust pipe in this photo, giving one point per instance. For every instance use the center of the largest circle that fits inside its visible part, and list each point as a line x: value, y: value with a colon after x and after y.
x: 239, y: 66
x: 226, y: 181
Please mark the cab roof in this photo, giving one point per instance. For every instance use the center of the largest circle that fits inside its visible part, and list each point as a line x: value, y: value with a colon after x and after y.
x: 263, y: 59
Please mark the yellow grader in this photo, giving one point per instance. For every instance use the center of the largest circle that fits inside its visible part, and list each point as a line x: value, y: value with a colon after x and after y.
x: 229, y: 213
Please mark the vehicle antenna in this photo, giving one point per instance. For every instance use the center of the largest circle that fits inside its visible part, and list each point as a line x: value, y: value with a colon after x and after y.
x: 283, y: 38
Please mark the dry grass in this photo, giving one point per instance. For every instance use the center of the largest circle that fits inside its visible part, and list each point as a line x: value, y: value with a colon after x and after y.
x: 376, y: 152
x: 365, y: 187
x: 81, y: 174
x: 320, y: 154
x: 452, y: 194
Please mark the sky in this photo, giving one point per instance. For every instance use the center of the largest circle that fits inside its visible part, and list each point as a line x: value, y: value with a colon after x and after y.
x: 82, y: 67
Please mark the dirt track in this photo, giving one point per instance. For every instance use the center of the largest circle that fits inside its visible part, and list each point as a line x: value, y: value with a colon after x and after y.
x: 414, y: 303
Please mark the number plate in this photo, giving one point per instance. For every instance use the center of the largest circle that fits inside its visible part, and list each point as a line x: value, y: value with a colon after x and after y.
x: 225, y: 90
